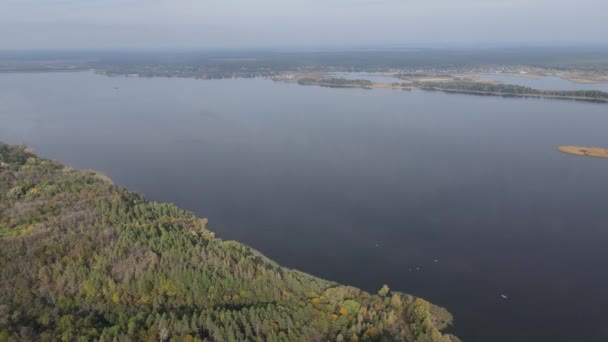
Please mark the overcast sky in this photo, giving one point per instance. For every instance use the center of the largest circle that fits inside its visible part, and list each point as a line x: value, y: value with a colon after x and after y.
x: 58, y: 24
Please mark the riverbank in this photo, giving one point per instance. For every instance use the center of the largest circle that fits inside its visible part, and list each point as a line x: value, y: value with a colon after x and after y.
x: 460, y: 84
x: 538, y: 95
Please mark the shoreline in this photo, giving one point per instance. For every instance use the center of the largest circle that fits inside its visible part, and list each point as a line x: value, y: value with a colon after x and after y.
x: 320, y: 79
x: 594, y: 152
x: 412, y: 86
x: 501, y: 94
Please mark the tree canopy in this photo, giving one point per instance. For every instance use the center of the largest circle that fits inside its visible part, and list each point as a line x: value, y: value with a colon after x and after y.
x: 83, y: 259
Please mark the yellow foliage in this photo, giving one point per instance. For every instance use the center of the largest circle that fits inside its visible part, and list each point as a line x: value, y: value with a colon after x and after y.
x: 167, y: 288
x: 384, y: 290
x: 334, y: 317
x: 89, y: 288
x: 396, y: 301
x: 343, y: 311
x: 27, y: 230
x: 392, y: 318
x: 372, y: 332
x: 420, y: 309
x: 316, y: 300
x: 144, y: 299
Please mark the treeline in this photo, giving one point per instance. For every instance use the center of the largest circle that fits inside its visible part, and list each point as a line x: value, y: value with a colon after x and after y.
x: 336, y: 82
x: 83, y: 259
x: 485, y: 88
x: 184, y: 72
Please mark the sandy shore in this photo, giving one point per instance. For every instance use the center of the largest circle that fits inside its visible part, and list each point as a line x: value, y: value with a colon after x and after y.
x: 596, y: 152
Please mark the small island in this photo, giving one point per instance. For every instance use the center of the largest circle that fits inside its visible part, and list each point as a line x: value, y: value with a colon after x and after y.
x: 596, y: 152
x: 509, y: 90
x: 460, y: 84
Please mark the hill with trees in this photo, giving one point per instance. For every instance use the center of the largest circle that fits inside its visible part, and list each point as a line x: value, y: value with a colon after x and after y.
x: 82, y: 259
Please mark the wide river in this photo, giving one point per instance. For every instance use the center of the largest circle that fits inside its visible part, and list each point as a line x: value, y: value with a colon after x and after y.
x: 459, y: 199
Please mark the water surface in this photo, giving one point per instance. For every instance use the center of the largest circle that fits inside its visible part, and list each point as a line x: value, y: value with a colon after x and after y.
x: 364, y: 187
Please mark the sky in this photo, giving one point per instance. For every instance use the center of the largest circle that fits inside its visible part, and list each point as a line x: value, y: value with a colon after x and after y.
x: 86, y: 24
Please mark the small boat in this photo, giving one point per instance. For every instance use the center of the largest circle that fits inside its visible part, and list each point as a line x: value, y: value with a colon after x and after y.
x: 504, y: 296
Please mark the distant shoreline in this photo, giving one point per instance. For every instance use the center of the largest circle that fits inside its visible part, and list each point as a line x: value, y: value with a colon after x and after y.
x: 452, y: 84
x: 445, y: 83
x: 506, y: 94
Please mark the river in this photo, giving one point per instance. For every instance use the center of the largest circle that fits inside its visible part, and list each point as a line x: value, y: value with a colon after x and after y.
x: 460, y: 199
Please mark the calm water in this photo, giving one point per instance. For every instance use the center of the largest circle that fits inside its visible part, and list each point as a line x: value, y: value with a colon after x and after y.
x: 364, y: 187
x: 545, y: 82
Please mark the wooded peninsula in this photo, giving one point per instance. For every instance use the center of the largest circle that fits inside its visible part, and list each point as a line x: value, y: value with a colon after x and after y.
x: 83, y: 259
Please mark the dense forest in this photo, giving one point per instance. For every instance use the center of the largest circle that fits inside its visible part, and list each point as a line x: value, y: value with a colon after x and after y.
x: 82, y: 259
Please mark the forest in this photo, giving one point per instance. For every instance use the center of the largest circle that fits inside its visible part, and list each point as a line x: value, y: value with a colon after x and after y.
x: 82, y: 259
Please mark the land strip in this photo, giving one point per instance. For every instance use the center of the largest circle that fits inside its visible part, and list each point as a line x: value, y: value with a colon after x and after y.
x: 596, y: 152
